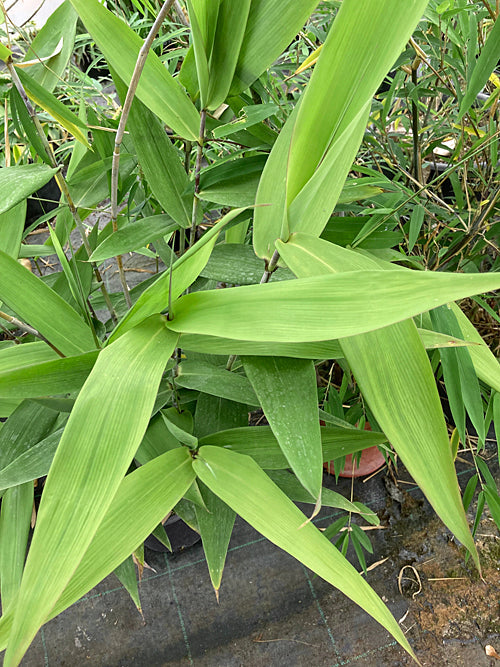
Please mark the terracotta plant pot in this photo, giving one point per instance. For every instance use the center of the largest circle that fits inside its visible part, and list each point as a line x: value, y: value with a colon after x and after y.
x: 370, y: 461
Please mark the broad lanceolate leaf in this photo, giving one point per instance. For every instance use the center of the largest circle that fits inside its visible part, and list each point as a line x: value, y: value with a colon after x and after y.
x: 242, y: 485
x: 485, y: 362
x: 363, y: 43
x: 58, y: 376
x: 329, y: 349
x: 17, y: 356
x: 157, y: 89
x: 27, y: 425
x: 216, y: 381
x: 133, y: 236
x: 229, y: 34
x: 57, y: 109
x: 322, y: 307
x: 288, y: 394
x: 105, y: 428
x: 316, y: 149
x: 394, y: 374
x: 261, y: 444
x: 17, y: 183
x: 159, y: 485
x: 271, y: 25
x: 35, y: 303
x: 31, y: 463
x: 53, y: 46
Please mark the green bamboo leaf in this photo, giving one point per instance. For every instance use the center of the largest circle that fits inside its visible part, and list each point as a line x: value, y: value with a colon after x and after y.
x: 200, y: 54
x: 18, y: 356
x: 287, y: 392
x: 5, y: 53
x: 133, y: 236
x: 216, y: 525
x: 228, y: 38
x: 127, y: 576
x: 311, y: 209
x: 216, y: 414
x: 338, y: 305
x: 160, y: 484
x: 32, y: 463
x: 89, y: 185
x: 314, y: 152
x: 232, y: 183
x: 184, y: 272
x: 42, y: 308
x: 104, y: 430
x: 17, y: 183
x: 25, y: 126
x: 483, y: 67
x: 57, y: 109
x: 270, y: 27
x: 261, y: 444
x: 157, y: 89
x: 216, y: 381
x: 237, y: 264
x: 242, y: 485
x: 160, y: 161
x: 53, y: 46
x: 11, y: 229
x: 401, y: 391
x: 57, y: 376
x: 215, y: 345
x: 27, y: 425
x: 485, y: 362
x: 352, y: 58
x: 15, y: 519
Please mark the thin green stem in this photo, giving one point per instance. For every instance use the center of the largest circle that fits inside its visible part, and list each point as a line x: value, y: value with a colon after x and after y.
x: 197, y: 170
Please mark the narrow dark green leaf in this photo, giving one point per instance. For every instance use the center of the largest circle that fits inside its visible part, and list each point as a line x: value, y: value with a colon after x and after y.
x: 261, y: 444
x: 286, y: 389
x: 133, y: 236
x: 42, y: 308
x: 216, y: 381
x: 216, y: 525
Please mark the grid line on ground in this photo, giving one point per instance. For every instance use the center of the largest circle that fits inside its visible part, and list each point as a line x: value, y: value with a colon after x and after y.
x: 45, y: 654
x: 321, y: 612
x: 365, y: 654
x: 179, y: 612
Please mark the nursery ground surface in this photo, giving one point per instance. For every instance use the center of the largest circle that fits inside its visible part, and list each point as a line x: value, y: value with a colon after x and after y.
x: 272, y: 611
